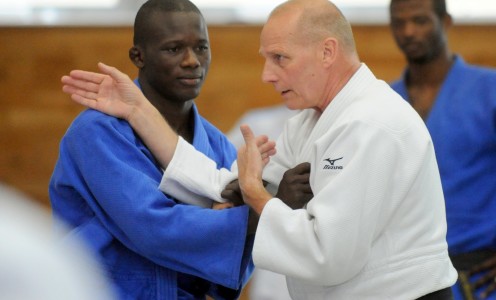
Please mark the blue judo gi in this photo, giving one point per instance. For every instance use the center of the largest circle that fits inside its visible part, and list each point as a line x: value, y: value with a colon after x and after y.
x: 105, y: 187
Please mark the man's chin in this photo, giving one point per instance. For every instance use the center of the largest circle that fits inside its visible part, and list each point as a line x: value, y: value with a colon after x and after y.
x: 190, y: 94
x: 418, y: 59
x: 292, y: 104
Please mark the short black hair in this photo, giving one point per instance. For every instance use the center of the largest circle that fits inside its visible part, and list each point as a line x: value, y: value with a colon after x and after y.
x: 439, y: 7
x: 152, y: 6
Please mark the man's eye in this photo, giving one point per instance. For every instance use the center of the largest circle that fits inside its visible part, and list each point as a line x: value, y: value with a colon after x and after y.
x: 278, y: 57
x: 397, y: 23
x: 421, y: 21
x: 203, y: 48
x: 173, y: 49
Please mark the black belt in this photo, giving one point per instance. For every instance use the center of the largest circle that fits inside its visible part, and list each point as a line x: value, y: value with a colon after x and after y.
x: 444, y: 294
x: 465, y: 261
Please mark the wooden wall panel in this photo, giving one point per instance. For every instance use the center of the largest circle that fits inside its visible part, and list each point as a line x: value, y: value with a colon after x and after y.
x: 34, y: 113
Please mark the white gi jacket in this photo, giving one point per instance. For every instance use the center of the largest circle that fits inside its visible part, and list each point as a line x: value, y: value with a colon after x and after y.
x: 376, y: 227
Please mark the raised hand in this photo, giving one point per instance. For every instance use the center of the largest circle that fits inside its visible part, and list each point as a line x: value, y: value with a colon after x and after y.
x: 250, y: 166
x: 266, y: 149
x: 294, y: 188
x: 111, y: 92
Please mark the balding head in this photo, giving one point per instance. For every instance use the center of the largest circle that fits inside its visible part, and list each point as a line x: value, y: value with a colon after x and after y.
x: 317, y: 20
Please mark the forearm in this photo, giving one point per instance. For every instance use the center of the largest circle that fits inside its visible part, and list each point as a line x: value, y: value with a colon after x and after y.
x: 191, y: 174
x: 155, y: 132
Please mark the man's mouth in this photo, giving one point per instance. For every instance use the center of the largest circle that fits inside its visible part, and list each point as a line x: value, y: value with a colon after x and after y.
x: 190, y: 81
x: 411, y: 47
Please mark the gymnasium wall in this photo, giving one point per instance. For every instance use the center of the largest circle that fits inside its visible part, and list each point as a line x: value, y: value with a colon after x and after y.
x: 34, y: 113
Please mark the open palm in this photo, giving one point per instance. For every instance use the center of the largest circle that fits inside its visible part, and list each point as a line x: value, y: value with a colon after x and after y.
x: 111, y: 92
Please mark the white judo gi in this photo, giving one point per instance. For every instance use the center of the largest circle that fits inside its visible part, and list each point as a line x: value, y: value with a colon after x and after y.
x: 376, y: 227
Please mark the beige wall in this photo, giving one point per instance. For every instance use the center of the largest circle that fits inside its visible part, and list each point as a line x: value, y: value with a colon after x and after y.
x: 34, y: 113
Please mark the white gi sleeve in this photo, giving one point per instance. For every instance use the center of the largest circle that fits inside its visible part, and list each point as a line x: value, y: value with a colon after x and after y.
x: 193, y: 178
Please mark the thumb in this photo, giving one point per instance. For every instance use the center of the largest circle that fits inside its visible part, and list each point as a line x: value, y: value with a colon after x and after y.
x: 247, y: 134
x: 113, y: 72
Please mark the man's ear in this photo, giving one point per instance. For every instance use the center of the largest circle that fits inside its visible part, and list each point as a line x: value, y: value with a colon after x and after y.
x: 137, y: 57
x: 447, y: 21
x: 330, y: 47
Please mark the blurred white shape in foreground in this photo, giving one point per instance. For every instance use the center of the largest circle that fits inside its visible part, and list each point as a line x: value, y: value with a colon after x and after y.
x: 35, y: 263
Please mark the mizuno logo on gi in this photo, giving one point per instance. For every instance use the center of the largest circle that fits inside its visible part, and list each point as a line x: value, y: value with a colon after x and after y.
x: 331, y: 165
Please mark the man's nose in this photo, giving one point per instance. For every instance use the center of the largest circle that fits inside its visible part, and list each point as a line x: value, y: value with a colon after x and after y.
x: 190, y: 58
x: 409, y: 29
x: 268, y: 75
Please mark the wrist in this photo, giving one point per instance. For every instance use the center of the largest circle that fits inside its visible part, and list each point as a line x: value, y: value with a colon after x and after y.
x: 140, y: 112
x: 256, y: 197
x: 154, y: 130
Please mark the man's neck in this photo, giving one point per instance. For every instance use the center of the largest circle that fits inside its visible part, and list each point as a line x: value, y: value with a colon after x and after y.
x: 178, y: 114
x: 431, y: 73
x: 424, y: 82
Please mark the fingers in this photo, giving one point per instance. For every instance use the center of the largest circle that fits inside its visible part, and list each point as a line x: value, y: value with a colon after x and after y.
x: 267, y: 154
x: 302, y: 168
x: 268, y: 148
x: 230, y: 194
x: 113, y: 72
x: 233, y: 185
x: 219, y: 206
x: 82, y: 86
x: 84, y: 101
x: 265, y: 147
x: 70, y: 89
x: 301, y: 172
x: 261, y: 139
x: 86, y: 76
x: 306, y: 189
x: 78, y: 93
x: 106, y: 69
x: 81, y: 83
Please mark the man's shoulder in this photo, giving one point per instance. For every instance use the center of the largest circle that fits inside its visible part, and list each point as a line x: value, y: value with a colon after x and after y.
x: 94, y: 123
x: 396, y: 82
x: 91, y: 118
x: 483, y: 71
x: 214, y: 134
x: 471, y: 69
x: 210, y: 128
